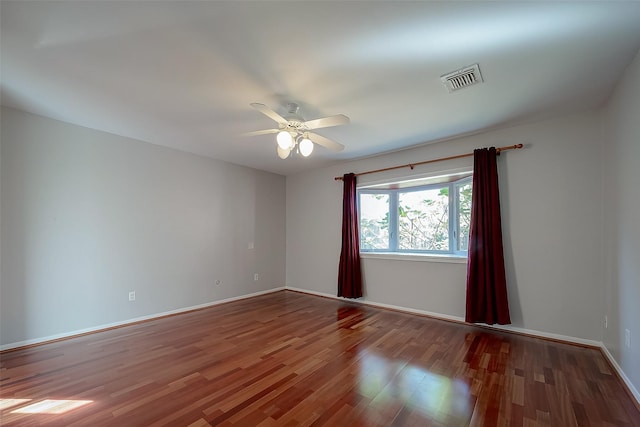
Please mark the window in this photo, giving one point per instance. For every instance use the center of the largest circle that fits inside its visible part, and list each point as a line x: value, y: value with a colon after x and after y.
x: 427, y: 216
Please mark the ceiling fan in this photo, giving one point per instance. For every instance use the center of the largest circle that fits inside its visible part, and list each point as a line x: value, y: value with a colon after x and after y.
x: 294, y: 132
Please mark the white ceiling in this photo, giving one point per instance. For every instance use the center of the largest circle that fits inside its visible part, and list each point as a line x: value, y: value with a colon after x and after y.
x: 182, y: 74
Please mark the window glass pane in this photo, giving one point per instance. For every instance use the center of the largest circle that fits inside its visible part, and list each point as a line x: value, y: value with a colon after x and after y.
x: 423, y: 219
x: 374, y: 221
x: 464, y: 215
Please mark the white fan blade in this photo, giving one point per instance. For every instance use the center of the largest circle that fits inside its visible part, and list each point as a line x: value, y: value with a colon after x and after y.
x: 326, y: 122
x: 269, y: 113
x: 325, y: 142
x: 261, y: 132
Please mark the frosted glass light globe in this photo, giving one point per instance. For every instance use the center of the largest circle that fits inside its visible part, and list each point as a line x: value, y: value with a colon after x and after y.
x: 306, y: 147
x: 284, y: 140
x: 283, y: 154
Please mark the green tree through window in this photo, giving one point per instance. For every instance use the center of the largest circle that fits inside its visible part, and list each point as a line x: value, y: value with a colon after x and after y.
x: 429, y: 218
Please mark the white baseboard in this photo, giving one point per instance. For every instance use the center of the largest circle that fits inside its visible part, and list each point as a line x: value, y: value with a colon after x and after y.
x: 548, y: 335
x: 621, y: 373
x: 533, y: 333
x: 99, y: 328
x: 459, y: 319
x: 530, y: 332
x: 379, y: 304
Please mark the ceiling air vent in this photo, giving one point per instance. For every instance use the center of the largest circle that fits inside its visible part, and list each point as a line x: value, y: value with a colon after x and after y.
x: 462, y: 78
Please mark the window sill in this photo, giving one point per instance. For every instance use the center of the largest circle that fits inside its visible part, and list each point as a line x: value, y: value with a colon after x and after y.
x: 398, y: 256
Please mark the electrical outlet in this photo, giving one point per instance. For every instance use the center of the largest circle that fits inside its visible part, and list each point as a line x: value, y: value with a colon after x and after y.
x: 250, y: 245
x: 218, y: 282
x: 255, y: 277
x: 606, y: 322
x: 132, y: 296
x: 627, y: 338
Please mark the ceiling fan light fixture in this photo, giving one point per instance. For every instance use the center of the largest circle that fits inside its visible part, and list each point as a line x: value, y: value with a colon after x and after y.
x: 293, y: 132
x: 284, y: 139
x: 306, y: 147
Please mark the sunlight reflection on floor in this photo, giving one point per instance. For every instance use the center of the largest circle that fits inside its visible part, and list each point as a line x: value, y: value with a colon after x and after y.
x: 8, y: 403
x: 50, y: 406
x: 434, y: 397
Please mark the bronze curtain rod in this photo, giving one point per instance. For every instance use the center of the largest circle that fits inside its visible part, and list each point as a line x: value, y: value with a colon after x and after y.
x: 441, y: 159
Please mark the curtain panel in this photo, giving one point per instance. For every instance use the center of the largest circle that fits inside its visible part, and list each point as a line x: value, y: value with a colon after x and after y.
x: 486, y: 281
x: 349, y: 272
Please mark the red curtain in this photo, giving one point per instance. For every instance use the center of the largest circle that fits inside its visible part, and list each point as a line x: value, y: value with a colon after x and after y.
x: 486, y: 282
x: 349, y: 273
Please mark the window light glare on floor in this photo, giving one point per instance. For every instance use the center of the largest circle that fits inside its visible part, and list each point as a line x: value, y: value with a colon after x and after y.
x: 51, y: 406
x: 8, y: 403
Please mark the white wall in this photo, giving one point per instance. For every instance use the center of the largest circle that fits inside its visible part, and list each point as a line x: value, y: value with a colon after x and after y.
x: 621, y: 151
x: 88, y: 216
x: 551, y: 196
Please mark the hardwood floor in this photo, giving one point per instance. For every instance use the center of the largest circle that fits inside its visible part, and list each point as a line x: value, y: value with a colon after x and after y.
x: 290, y: 359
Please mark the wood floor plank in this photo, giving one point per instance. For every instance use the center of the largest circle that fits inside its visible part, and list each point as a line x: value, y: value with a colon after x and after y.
x: 290, y: 359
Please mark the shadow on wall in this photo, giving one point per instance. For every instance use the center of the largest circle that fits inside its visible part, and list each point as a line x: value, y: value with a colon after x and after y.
x: 515, y: 308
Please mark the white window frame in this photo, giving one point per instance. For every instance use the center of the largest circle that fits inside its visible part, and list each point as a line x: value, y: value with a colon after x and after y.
x: 454, y: 220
